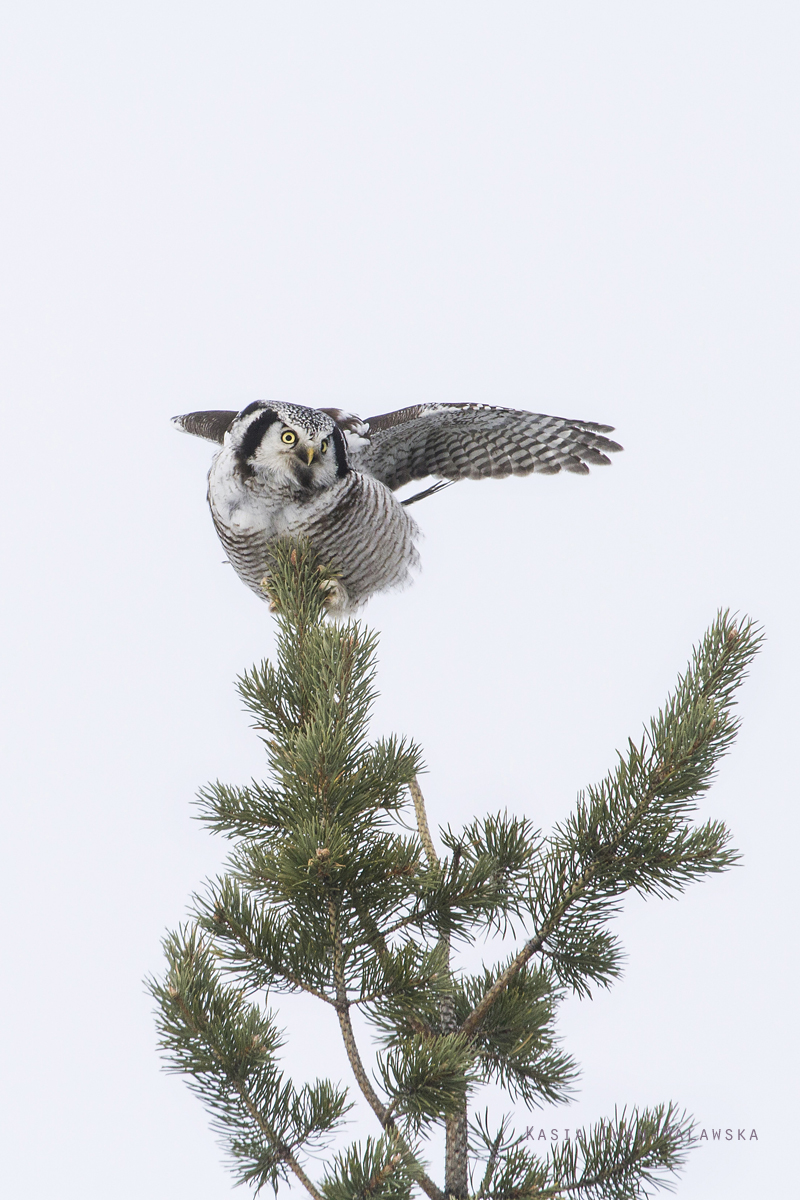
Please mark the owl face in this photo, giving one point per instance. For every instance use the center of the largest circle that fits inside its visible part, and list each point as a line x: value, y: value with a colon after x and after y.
x: 288, y: 444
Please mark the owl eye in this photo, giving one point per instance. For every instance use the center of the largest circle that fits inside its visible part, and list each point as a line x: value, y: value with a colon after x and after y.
x: 288, y: 438
x: 323, y: 446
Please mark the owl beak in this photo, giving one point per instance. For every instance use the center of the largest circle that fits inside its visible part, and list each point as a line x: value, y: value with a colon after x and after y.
x: 310, y: 453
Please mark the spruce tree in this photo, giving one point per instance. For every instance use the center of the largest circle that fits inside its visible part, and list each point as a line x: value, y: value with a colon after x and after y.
x: 335, y: 888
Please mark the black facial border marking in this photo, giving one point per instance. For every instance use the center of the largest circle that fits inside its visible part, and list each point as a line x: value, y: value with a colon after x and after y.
x: 342, y: 467
x: 251, y: 408
x: 252, y: 438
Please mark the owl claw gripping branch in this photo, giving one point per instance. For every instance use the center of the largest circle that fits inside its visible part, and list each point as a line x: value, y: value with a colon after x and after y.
x: 286, y: 471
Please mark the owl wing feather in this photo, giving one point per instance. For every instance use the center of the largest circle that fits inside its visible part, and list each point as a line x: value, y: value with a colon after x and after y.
x: 212, y: 424
x: 476, y: 441
x: 451, y: 442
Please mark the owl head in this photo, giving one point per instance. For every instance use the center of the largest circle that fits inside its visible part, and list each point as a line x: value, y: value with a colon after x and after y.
x: 278, y: 442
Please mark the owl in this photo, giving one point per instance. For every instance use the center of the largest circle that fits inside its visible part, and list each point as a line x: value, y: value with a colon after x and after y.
x: 284, y: 470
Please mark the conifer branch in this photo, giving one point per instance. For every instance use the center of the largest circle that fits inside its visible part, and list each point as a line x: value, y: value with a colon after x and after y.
x: 230, y: 919
x: 346, y: 1025
x: 228, y: 1049
x: 284, y: 1151
x: 383, y: 1113
x: 617, y: 1159
x: 632, y: 834
x: 422, y: 823
x: 377, y: 1170
x: 620, y: 1157
x: 531, y: 947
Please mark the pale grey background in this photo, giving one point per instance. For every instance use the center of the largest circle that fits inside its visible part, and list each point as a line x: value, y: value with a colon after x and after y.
x: 577, y: 208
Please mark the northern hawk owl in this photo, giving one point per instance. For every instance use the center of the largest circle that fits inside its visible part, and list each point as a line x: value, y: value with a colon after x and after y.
x: 286, y: 471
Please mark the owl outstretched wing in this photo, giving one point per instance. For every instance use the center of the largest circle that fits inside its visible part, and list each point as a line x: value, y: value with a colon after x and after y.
x: 212, y: 424
x: 477, y: 441
x: 451, y: 442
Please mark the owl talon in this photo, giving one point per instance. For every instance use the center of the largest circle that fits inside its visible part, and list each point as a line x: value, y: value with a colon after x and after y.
x: 336, y: 596
x: 264, y: 585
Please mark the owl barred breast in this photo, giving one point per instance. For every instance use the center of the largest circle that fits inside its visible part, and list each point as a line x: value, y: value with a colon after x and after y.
x: 286, y: 471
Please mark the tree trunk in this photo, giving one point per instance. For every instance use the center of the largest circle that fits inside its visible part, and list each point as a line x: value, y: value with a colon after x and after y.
x: 456, y: 1183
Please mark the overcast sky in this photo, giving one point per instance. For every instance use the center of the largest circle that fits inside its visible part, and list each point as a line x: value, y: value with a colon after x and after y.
x: 582, y: 209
